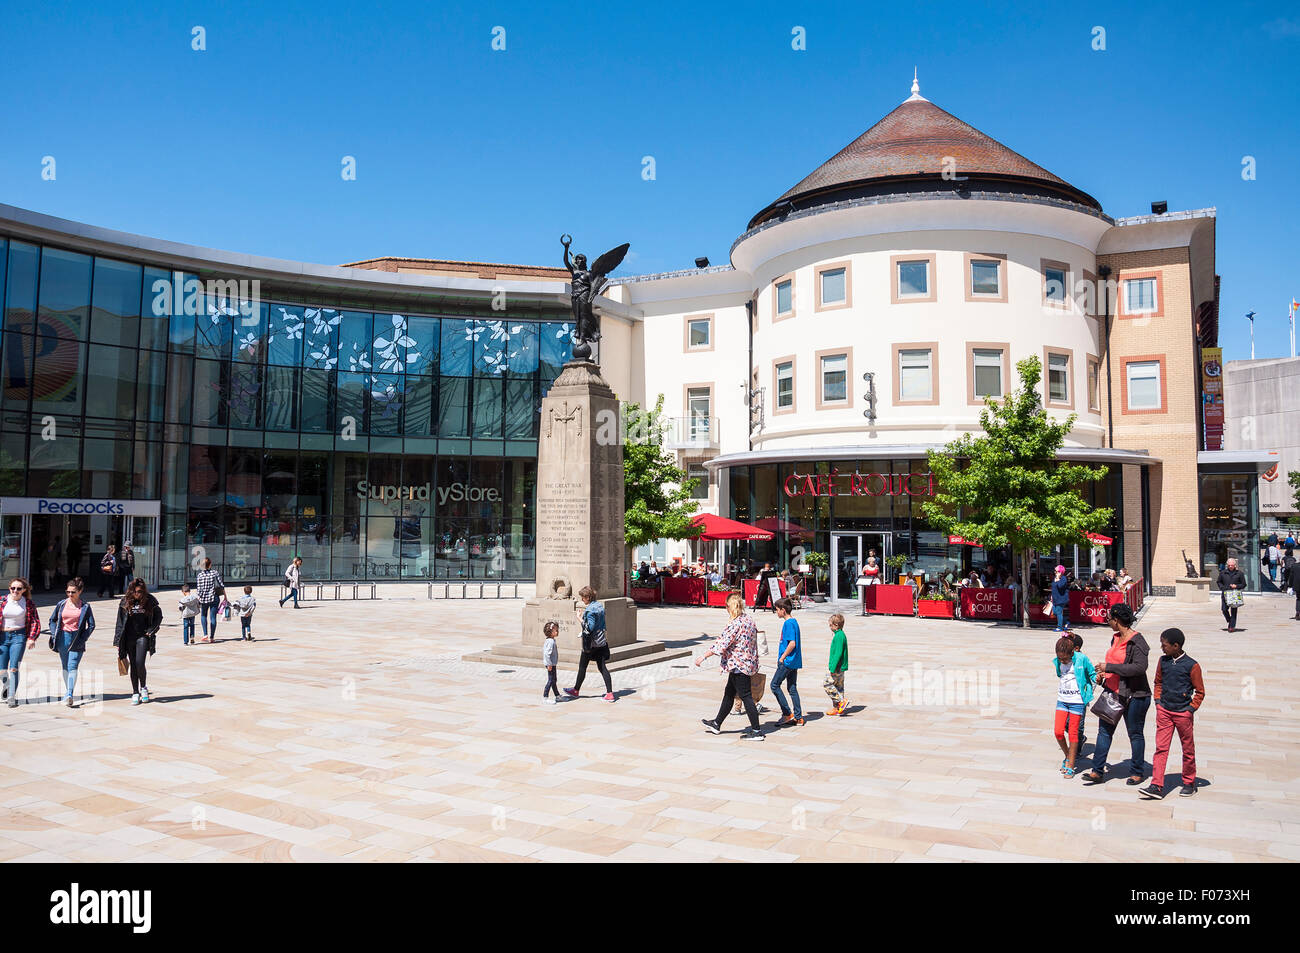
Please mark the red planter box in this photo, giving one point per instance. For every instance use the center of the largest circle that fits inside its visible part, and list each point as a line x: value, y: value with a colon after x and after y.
x: 1092, y: 606
x: 987, y: 603
x: 935, y: 609
x: 685, y: 591
x: 645, y: 594
x: 717, y: 599
x: 1042, y: 613
x: 891, y: 600
x: 750, y: 587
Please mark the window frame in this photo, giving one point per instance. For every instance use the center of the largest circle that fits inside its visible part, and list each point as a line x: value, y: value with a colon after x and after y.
x: 1070, y: 378
x: 1155, y: 276
x: 972, y: 399
x: 969, y: 259
x: 687, y: 320
x: 933, y: 348
x: 819, y: 304
x: 686, y: 405
x: 794, y: 304
x: 1093, y: 362
x: 1159, y: 361
x: 932, y: 279
x: 1067, y: 298
x: 777, y: 409
x: 818, y: 357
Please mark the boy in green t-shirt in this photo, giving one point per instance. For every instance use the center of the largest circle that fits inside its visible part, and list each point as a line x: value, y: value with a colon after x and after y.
x: 839, y: 664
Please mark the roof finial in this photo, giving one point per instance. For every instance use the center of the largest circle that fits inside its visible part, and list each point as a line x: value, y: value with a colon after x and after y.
x: 916, y: 90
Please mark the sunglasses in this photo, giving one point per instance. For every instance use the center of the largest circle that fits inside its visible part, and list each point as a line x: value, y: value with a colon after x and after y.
x: 17, y: 589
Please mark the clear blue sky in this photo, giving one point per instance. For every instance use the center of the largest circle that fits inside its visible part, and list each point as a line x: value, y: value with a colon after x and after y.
x: 467, y: 153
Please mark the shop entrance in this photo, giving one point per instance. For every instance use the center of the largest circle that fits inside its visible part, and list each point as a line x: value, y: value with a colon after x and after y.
x: 849, y: 552
x: 48, y: 548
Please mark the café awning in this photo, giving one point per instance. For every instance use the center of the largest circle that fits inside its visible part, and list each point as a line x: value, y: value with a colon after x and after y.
x: 719, y: 527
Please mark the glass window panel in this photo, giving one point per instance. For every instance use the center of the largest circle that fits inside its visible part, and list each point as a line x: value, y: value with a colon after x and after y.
x: 144, y: 474
x: 20, y: 289
x: 1055, y: 284
x: 988, y: 373
x: 354, y: 342
x: 425, y: 335
x: 913, y: 278
x: 700, y: 474
x: 110, y: 383
x: 457, y: 341
x: 488, y: 407
x: 209, y: 394
x: 1144, y: 385
x: 1093, y: 384
x: 418, y: 417
x: 699, y: 332
x: 320, y: 337
x: 350, y: 401
x: 281, y: 397
x: 245, y: 396
x: 1058, y: 377
x: 178, y: 388
x: 151, y: 389
x: 115, y: 315
x: 557, y: 347
x: 286, y: 325
x: 834, y: 287
x: 521, y: 416
x: 54, y: 469
x: 214, y: 328
x: 784, y: 385
x: 835, y: 371
x: 453, y: 405
x: 1141, y: 294
x: 65, y: 293
x: 16, y: 372
x: 984, y: 277
x: 784, y: 297
x: 389, y: 349
x: 57, y: 381
x: 13, y: 463
x: 491, y: 348
x: 161, y: 324
x: 386, y: 400
x: 316, y: 415
x: 914, y: 375
x: 524, y: 349
x: 249, y: 334
x: 4, y: 264
x: 313, y: 494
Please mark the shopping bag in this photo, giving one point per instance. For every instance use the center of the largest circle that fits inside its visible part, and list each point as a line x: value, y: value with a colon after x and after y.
x: 1234, y: 598
x: 757, y: 685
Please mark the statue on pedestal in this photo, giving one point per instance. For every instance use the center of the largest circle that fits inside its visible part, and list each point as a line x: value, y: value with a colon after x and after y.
x: 586, y: 284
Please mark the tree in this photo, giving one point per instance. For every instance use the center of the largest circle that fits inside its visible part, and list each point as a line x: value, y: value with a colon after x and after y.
x: 1006, y: 487
x: 1293, y: 477
x: 657, y: 500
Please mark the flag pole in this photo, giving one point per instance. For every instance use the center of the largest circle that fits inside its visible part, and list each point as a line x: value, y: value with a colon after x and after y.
x: 1291, y: 312
x: 1250, y: 316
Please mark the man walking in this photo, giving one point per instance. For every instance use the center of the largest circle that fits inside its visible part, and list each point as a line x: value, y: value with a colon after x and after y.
x: 1293, y: 580
x: 1232, y: 584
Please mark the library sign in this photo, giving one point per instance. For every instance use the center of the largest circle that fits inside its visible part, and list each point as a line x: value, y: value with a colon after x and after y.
x: 836, y: 483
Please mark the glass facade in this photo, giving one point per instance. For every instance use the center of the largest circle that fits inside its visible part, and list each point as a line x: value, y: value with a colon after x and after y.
x: 376, y: 445
x: 1230, y: 525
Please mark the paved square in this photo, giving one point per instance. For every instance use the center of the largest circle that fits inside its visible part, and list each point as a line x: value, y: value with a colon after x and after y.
x: 351, y: 731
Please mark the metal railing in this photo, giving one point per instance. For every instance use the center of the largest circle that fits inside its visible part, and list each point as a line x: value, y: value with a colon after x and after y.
x: 691, y: 433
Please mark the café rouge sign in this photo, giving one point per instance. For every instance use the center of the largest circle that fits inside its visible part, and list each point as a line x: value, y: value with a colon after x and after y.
x: 836, y: 483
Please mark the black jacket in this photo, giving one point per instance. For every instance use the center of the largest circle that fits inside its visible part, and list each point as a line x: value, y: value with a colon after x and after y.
x: 154, y: 613
x: 1133, y: 671
x: 1293, y: 577
x: 1231, y: 579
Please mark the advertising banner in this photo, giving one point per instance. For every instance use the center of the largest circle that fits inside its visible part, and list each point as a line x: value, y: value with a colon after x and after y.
x: 987, y: 603
x: 1212, y: 396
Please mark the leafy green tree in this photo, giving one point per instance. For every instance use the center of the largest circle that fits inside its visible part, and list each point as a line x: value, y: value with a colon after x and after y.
x: 1293, y: 477
x: 1006, y: 487
x: 657, y: 500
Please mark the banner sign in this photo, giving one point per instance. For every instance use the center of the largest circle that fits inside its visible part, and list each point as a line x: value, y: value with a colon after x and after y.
x: 962, y: 541
x: 1099, y: 539
x: 987, y: 603
x: 1212, y: 396
x: 1092, y: 606
x: 836, y: 483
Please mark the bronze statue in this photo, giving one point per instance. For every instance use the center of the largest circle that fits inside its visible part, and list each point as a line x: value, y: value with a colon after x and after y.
x: 586, y: 284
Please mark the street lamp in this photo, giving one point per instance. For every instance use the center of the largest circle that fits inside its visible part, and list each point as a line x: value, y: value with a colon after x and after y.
x: 1250, y: 316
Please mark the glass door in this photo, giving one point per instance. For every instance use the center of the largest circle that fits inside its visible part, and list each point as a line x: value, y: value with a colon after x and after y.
x: 142, y: 533
x: 13, y: 555
x: 846, y: 559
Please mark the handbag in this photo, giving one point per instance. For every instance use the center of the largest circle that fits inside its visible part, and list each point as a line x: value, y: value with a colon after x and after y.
x: 1109, y: 707
x: 1234, y: 598
x: 757, y: 685
x: 122, y: 666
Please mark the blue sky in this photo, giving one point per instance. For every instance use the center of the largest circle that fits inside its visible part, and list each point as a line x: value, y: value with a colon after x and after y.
x: 467, y: 153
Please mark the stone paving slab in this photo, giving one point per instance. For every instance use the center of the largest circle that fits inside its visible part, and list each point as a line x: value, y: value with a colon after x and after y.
x: 357, y: 731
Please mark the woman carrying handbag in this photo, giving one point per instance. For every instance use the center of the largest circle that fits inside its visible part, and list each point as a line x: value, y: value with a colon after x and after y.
x: 1123, y: 677
x: 138, y: 619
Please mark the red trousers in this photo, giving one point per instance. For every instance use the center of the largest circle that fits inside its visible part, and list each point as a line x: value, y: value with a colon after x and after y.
x: 1166, y: 722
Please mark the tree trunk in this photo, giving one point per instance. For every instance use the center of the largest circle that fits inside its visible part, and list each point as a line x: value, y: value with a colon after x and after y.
x: 1024, y: 588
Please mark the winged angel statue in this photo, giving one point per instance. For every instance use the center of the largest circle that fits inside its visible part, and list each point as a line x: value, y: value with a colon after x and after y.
x: 586, y: 284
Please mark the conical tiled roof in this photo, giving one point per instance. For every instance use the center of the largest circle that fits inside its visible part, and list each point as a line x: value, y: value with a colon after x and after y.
x: 910, y: 144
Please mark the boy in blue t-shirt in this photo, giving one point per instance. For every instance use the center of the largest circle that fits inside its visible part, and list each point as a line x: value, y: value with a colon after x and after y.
x: 789, y: 660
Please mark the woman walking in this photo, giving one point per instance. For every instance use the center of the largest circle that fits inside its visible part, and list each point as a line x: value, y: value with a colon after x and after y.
x: 293, y: 579
x: 70, y: 627
x: 737, y: 651
x: 211, y: 589
x: 1060, y: 598
x: 1124, y: 672
x: 108, y: 572
x: 21, y: 627
x: 136, y: 638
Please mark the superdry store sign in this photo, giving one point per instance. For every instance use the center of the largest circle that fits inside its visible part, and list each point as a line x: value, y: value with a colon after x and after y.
x: 836, y: 483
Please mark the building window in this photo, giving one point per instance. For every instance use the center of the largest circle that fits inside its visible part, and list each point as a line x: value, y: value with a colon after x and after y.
x: 913, y: 278
x: 1058, y: 378
x: 833, y: 286
x: 987, y: 369
x: 986, y: 278
x: 700, y: 474
x: 1140, y: 296
x: 784, y: 371
x: 1144, y: 385
x: 783, y: 297
x: 699, y: 410
x: 1094, y: 383
x: 915, y: 368
x: 835, y: 379
x: 1056, y: 275
x: 699, y: 332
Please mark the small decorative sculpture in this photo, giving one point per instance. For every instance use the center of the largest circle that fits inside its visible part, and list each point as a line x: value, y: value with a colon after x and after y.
x: 586, y: 284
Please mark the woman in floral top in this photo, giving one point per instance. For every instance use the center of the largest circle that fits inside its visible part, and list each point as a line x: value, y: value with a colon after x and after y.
x: 737, y: 651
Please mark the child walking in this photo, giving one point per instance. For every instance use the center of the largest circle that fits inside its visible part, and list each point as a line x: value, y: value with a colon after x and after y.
x: 246, y: 604
x: 1178, y: 693
x: 788, y: 662
x: 551, y: 659
x: 189, y: 607
x: 1074, y: 678
x: 838, y: 665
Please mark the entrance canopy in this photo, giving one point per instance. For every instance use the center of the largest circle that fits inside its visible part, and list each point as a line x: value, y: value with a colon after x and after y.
x: 719, y: 527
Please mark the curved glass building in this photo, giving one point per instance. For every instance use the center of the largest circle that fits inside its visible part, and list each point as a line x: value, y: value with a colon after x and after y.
x: 380, y: 421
